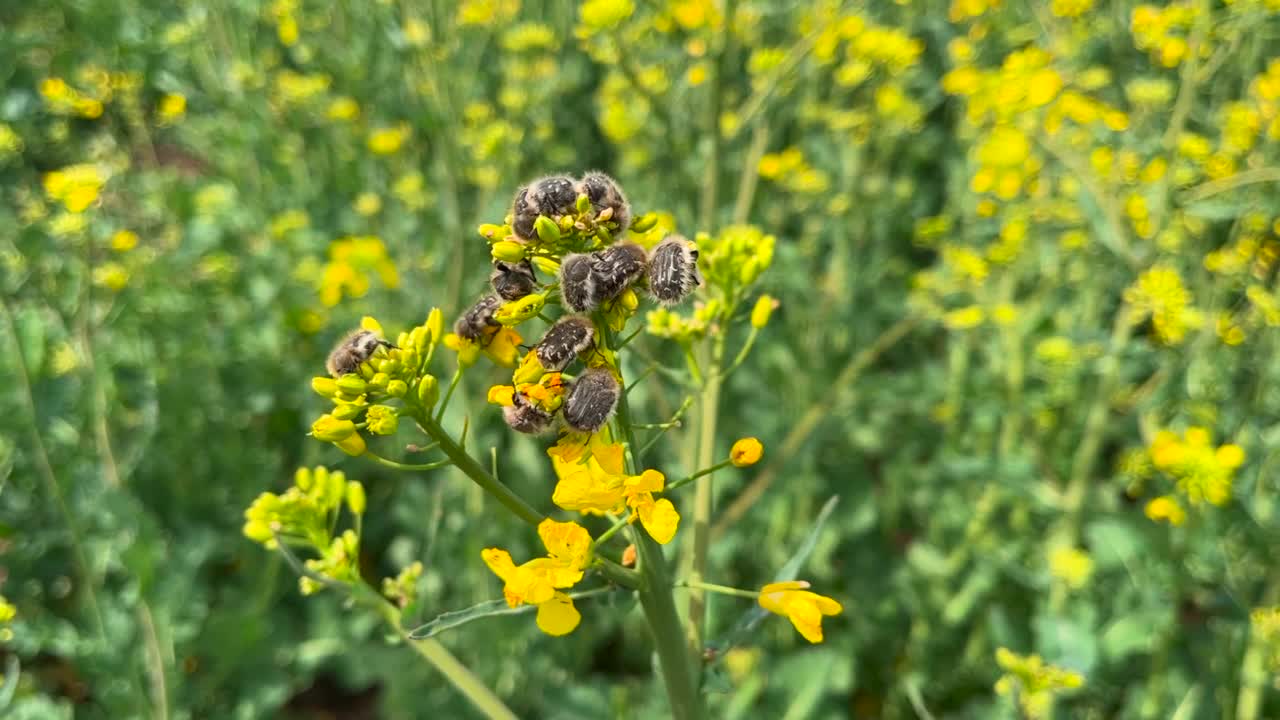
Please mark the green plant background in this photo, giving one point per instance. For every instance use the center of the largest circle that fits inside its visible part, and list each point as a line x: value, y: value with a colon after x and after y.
x: 141, y: 415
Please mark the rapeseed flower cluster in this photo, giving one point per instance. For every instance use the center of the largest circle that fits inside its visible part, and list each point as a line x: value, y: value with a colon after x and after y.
x: 1032, y: 683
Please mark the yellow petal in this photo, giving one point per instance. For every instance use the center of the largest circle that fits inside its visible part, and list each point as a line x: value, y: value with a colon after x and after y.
x: 558, y: 616
x: 660, y: 519
x: 529, y: 583
x: 499, y: 561
x: 785, y: 585
x: 609, y: 457
x: 503, y: 348
x: 567, y: 541
x: 582, y: 492
x: 369, y: 323
x: 646, y: 482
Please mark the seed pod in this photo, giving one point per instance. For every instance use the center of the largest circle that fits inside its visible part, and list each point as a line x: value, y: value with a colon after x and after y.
x: 352, y: 350
x: 513, y: 281
x: 673, y: 270
x: 591, y: 400
x: 604, y: 194
x: 547, y: 196
x: 576, y: 282
x: 569, y: 337
x: 525, y: 417
x: 478, y: 319
x: 613, y: 270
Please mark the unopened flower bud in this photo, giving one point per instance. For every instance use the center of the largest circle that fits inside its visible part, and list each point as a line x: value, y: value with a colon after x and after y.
x: 379, y: 380
x: 418, y: 339
x: 548, y: 231
x: 346, y: 411
x: 644, y: 223
x: 397, y: 388
x: 490, y: 231
x: 326, y: 387
x: 546, y: 265
x: 629, y: 300
x: 353, y: 445
x: 518, y: 311
x: 356, y: 501
x: 583, y: 204
x: 508, y: 251
x: 428, y: 391
x: 303, y: 479
x: 763, y: 309
x: 330, y: 429
x: 352, y: 384
x: 435, y: 325
x: 746, y: 451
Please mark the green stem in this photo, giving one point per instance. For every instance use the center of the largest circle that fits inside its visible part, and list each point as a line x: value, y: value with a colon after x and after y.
x: 448, y: 395
x: 658, y: 604
x: 721, y: 589
x: 604, y: 536
x: 617, y: 574
x: 705, y: 471
x: 439, y: 657
x: 478, y: 474
x: 704, y: 496
x: 387, y: 462
x: 1086, y: 455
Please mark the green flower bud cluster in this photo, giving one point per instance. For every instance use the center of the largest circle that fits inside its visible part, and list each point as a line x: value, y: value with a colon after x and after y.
x: 390, y: 374
x: 403, y: 588
x: 304, y: 516
x: 736, y: 257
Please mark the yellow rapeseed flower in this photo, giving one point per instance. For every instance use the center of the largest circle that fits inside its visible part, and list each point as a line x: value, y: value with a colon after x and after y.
x: 1033, y: 682
x: 124, y: 240
x: 1167, y: 508
x: 1071, y: 566
x: 75, y: 186
x: 600, y: 485
x: 172, y: 107
x: 388, y: 140
x: 540, y: 581
x: 804, y: 609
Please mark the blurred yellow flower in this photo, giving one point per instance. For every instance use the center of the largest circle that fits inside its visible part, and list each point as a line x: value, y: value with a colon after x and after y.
x: 746, y: 451
x: 124, y: 240
x: 367, y: 204
x: 1167, y: 508
x: 75, y: 186
x: 387, y: 140
x: 1160, y: 295
x: 343, y: 108
x: 1201, y: 472
x: 1071, y: 566
x: 173, y: 106
x: 111, y: 275
x: 1032, y: 682
x: 804, y: 609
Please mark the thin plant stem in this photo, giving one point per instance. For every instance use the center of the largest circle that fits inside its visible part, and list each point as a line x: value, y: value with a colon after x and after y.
x: 453, y: 385
x: 720, y: 589
x: 613, y: 530
x: 472, y: 469
x: 44, y: 468
x: 657, y: 602
x: 704, y: 496
x: 701, y: 473
x: 386, y: 462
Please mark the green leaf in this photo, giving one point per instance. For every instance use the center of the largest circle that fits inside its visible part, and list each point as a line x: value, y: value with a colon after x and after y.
x: 1127, y: 635
x: 490, y: 608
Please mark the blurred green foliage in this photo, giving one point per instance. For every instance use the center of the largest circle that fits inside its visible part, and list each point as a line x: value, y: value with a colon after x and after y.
x: 1026, y: 260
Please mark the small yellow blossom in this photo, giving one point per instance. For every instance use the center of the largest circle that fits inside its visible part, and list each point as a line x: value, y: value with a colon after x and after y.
x: 1032, y: 682
x: 540, y: 581
x: 388, y: 140
x: 746, y: 451
x: 172, y: 107
x: 1073, y: 567
x: 124, y: 240
x: 600, y: 486
x: 367, y: 204
x: 804, y: 609
x: 1166, y: 507
x: 111, y: 275
x: 75, y: 186
x: 1201, y: 472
